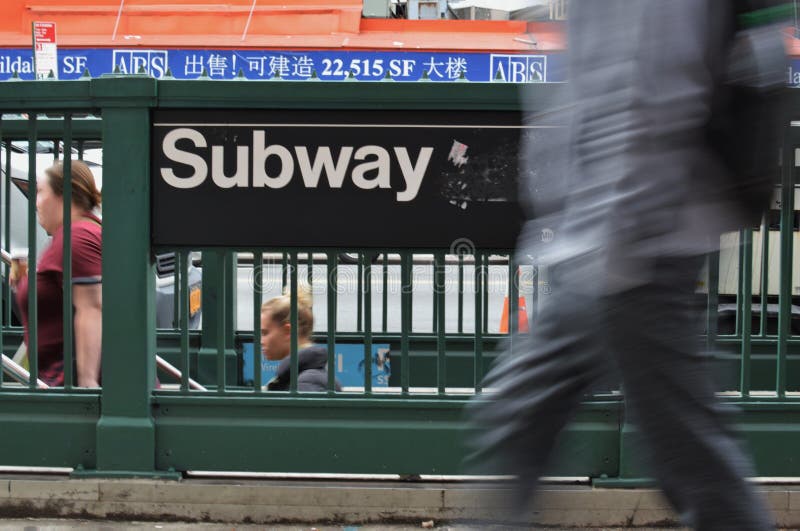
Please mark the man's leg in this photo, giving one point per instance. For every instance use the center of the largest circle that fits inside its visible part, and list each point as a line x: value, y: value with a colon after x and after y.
x: 671, y: 397
x: 534, y: 388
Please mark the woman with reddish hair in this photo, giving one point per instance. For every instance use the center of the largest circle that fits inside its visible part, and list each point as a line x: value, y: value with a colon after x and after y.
x: 86, y: 245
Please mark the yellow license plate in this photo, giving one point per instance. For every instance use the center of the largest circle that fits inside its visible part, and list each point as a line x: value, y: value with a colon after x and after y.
x: 194, y: 301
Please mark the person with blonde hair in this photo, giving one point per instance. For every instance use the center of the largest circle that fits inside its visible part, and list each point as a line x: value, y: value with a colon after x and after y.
x: 276, y: 335
x: 86, y: 245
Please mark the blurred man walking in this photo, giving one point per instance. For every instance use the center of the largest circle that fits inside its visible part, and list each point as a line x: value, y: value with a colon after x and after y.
x: 639, y: 188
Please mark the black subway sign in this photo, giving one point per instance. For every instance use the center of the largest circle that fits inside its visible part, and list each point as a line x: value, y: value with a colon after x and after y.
x: 360, y: 179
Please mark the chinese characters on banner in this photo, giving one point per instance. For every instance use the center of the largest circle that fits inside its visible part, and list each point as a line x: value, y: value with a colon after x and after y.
x: 299, y: 65
x: 324, y: 65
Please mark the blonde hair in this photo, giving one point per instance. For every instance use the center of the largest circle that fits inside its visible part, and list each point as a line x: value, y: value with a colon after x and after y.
x: 280, y: 310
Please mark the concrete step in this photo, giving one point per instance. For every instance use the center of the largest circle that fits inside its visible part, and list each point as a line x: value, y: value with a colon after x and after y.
x: 339, y: 503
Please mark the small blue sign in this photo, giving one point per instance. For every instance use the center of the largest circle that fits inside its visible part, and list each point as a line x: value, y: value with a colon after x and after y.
x: 326, y: 65
x: 348, y: 360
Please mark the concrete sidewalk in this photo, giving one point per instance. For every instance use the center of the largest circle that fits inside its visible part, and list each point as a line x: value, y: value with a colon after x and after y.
x: 328, y: 504
x: 65, y: 525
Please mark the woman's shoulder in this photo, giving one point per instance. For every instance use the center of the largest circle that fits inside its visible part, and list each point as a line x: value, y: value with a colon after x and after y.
x: 87, y: 229
x: 89, y: 222
x: 87, y: 241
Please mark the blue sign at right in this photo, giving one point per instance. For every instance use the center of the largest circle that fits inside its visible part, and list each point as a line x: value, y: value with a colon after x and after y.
x: 348, y: 361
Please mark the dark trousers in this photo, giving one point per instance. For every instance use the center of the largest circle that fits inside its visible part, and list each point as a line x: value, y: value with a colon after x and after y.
x: 650, y: 335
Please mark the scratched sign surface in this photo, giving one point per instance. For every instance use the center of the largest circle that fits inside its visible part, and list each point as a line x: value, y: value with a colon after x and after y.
x: 372, y: 179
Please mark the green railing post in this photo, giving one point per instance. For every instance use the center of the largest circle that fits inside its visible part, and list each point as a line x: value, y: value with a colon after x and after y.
x: 746, y: 295
x: 712, y: 312
x: 126, y: 431
x: 5, y: 269
x: 788, y: 161
x: 764, y: 289
x: 7, y: 228
x: 219, y: 280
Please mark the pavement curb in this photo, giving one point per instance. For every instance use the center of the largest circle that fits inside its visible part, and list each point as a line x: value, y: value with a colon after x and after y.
x: 342, y: 502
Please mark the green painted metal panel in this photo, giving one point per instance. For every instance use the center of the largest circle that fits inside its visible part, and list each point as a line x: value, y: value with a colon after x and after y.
x: 82, y: 128
x: 48, y: 429
x: 350, y: 435
x: 768, y: 431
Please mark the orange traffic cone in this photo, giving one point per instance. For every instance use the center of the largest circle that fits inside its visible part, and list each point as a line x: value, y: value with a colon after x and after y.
x: 522, y: 320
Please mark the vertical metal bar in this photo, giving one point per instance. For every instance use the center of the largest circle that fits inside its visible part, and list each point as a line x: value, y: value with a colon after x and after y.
x: 533, y: 311
x: 411, y: 293
x: 184, y: 309
x: 220, y: 318
x: 258, y: 290
x: 284, y: 272
x: 293, y: 368
x: 176, y: 295
x: 785, y: 292
x: 80, y: 149
x: 739, y: 301
x: 480, y: 277
x: 368, y: 325
x: 359, y: 291
x: 485, y: 286
x: 438, y: 285
x: 7, y: 227
x: 4, y: 245
x: 794, y: 29
x: 460, y: 293
x: 67, y: 247
x: 746, y: 292
x: 310, y: 271
x: 385, y: 308
x: 712, y: 312
x: 513, y: 297
x: 405, y: 319
x: 332, y: 292
x: 435, y: 310
x: 33, y: 343
x: 764, y: 274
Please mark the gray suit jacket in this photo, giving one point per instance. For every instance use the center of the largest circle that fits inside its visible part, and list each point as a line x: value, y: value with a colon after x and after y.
x: 633, y: 177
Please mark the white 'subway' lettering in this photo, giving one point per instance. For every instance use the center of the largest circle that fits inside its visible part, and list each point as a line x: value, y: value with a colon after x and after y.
x: 369, y: 167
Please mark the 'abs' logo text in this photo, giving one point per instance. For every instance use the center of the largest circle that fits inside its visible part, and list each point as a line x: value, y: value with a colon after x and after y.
x: 154, y: 62
x: 519, y: 68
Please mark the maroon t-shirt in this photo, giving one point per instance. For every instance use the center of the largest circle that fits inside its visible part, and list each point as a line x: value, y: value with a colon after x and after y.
x: 86, y: 269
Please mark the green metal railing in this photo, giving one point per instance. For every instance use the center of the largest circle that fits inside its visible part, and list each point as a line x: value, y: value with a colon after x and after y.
x: 35, y: 132
x: 443, y: 276
x: 129, y: 427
